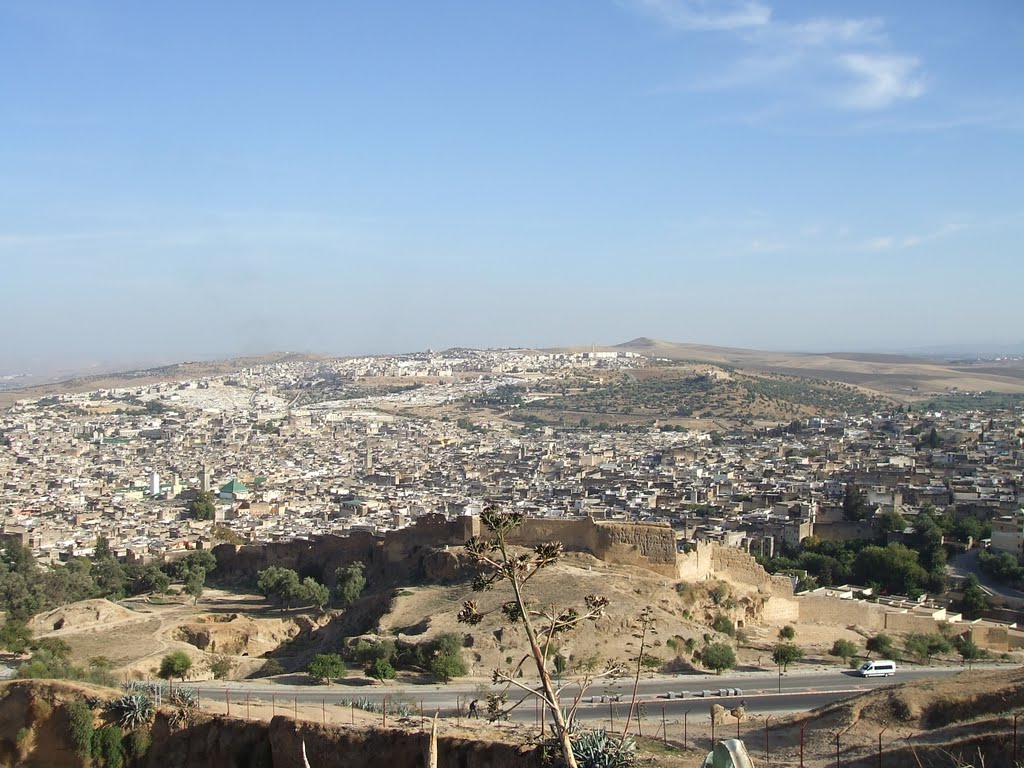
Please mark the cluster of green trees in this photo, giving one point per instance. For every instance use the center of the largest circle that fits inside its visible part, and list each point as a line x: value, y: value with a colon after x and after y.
x: 283, y: 586
x: 1001, y: 566
x: 893, y: 568
x: 27, y: 589
x: 381, y: 659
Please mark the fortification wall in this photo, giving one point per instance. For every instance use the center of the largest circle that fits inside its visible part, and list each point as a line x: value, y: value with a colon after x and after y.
x: 645, y: 545
x: 831, y: 611
x: 910, y: 622
x: 697, y: 564
x: 399, y: 554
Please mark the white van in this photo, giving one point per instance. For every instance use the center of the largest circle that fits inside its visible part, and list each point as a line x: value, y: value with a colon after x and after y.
x: 880, y: 668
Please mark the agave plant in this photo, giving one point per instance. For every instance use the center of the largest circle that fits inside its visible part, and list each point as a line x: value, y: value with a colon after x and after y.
x: 596, y: 749
x: 130, y: 710
x: 185, y: 697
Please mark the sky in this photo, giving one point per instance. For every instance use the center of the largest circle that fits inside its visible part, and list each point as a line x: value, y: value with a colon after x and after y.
x: 194, y: 179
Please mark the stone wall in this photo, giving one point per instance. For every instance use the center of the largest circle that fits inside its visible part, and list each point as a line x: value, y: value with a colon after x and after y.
x: 645, y: 545
x: 831, y: 611
x: 396, y: 556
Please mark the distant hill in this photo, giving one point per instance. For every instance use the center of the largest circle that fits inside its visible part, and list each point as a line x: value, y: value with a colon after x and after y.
x: 901, y: 375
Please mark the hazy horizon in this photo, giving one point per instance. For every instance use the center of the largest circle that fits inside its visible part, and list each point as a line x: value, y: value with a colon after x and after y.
x: 205, y: 180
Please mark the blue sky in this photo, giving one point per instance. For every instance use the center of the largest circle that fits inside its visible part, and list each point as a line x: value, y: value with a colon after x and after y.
x: 192, y: 178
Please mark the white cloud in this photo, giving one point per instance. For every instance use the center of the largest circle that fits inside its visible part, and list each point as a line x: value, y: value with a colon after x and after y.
x: 880, y: 80
x: 816, y: 33
x: 900, y: 242
x: 706, y: 15
x: 835, y: 62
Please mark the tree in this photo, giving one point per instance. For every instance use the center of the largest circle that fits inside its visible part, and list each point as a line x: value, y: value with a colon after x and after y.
x: 969, y: 651
x: 445, y: 666
x: 221, y: 666
x: 381, y: 669
x: 499, y: 564
x: 855, y: 504
x: 785, y: 654
x: 326, y: 666
x: 175, y: 664
x: 924, y: 647
x: 15, y: 636
x: 788, y: 632
x: 973, y: 600
x: 881, y: 644
x: 349, y: 583
x: 718, y: 656
x: 315, y: 593
x: 844, y: 649
x: 893, y: 521
x: 281, y: 585
x: 202, y: 506
x: 195, y: 583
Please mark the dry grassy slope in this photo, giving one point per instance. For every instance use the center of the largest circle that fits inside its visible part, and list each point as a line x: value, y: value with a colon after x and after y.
x: 893, y: 374
x: 141, y: 378
x: 423, y: 612
x: 931, y: 723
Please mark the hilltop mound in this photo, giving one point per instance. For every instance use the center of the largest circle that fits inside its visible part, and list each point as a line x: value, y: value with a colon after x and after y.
x: 85, y: 614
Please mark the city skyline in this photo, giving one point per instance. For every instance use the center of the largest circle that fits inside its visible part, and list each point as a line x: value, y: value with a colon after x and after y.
x: 203, y: 181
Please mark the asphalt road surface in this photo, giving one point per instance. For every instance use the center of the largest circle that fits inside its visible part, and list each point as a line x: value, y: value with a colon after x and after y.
x: 763, y: 693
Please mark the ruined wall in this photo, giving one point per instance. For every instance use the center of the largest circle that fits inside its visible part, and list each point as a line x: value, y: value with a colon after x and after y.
x: 397, y: 555
x: 645, y: 545
x: 737, y: 566
x: 696, y: 565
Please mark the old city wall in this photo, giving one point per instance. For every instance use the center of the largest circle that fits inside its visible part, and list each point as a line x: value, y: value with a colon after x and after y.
x: 711, y: 561
x: 819, y: 609
x: 641, y: 544
x: 398, y: 555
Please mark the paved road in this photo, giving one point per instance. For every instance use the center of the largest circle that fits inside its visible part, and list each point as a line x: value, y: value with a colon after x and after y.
x: 796, y: 691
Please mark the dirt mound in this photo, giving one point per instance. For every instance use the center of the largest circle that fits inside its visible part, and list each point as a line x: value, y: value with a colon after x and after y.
x: 241, y: 636
x: 81, y: 615
x: 935, y: 703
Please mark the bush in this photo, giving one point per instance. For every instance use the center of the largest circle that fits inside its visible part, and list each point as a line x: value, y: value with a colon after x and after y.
x: 788, y: 632
x: 221, y: 666
x: 381, y: 669
x: 723, y: 624
x: 81, y: 727
x: 108, y: 747
x: 844, y: 649
x: 447, y: 666
x: 326, y: 666
x: 718, y: 656
x: 137, y: 743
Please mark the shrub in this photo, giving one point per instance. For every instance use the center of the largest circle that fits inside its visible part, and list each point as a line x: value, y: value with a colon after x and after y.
x: 446, y: 666
x: 788, y: 632
x: 108, y: 747
x: 844, y: 649
x: 221, y: 666
x: 723, y: 624
x: 81, y: 727
x: 137, y: 743
x: 718, y: 656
